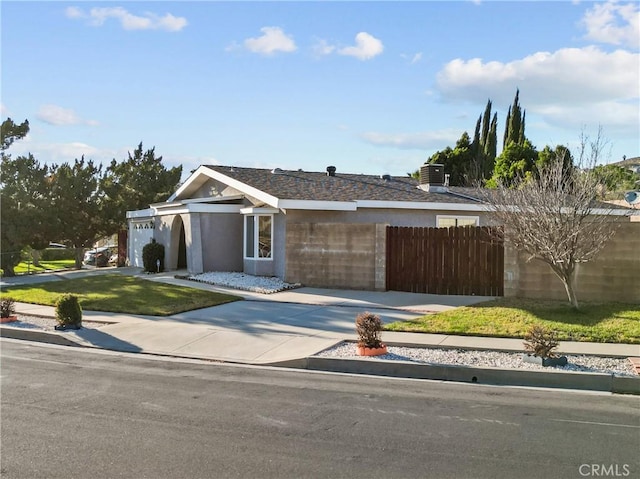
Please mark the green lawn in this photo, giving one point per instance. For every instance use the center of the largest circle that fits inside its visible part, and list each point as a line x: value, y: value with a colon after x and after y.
x: 24, y: 267
x: 120, y: 294
x: 512, y: 317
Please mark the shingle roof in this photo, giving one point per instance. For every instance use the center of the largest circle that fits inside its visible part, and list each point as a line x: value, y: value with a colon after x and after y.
x: 306, y: 185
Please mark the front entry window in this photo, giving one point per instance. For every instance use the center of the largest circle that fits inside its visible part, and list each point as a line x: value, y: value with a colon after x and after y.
x: 264, y: 236
x: 258, y: 234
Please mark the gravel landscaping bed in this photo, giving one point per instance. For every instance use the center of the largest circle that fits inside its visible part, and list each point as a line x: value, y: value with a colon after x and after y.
x: 460, y: 357
x: 45, y: 324
x: 245, y: 282
x: 494, y: 359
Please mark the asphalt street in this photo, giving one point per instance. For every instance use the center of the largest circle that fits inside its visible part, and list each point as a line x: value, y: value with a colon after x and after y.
x: 74, y: 413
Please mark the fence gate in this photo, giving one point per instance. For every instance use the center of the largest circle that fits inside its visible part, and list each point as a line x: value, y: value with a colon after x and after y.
x: 465, y: 260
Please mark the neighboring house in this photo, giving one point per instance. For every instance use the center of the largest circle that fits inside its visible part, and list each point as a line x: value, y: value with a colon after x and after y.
x: 268, y: 222
x: 632, y: 164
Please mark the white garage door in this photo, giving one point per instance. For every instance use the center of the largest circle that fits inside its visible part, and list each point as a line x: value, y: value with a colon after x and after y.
x: 140, y: 235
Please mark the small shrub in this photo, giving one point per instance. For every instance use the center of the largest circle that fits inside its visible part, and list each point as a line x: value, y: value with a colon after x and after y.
x: 151, y: 253
x: 68, y: 311
x: 369, y: 327
x: 7, y: 307
x: 541, y: 342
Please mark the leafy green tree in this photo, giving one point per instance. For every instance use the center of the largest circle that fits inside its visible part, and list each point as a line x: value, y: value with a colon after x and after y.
x: 134, y: 184
x: 616, y: 180
x: 458, y: 162
x: 516, y: 162
x: 79, y: 201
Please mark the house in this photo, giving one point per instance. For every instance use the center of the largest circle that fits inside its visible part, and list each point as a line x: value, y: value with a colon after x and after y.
x: 316, y: 228
x: 339, y: 230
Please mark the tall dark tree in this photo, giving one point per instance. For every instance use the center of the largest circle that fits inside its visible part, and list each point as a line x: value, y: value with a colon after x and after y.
x: 514, y: 126
x: 79, y: 201
x: 25, y: 214
x: 10, y: 132
x: 483, y: 146
x: 20, y: 187
x: 135, y: 183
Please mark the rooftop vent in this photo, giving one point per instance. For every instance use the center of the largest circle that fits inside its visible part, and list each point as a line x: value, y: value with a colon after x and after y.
x: 432, y: 178
x: 331, y: 171
x: 277, y: 171
x: 385, y: 177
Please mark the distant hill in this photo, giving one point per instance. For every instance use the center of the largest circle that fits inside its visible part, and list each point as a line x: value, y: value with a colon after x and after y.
x: 635, y: 161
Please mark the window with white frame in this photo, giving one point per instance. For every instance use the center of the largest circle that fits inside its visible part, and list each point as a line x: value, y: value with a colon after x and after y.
x: 258, y: 234
x: 444, y: 221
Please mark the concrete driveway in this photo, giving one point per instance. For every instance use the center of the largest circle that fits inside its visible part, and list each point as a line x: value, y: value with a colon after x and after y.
x: 265, y: 328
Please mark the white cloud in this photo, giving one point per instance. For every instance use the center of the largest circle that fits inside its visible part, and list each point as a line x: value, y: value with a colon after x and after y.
x: 59, y: 116
x: 366, y: 47
x: 322, y: 47
x: 420, y: 141
x: 621, y: 118
x: 148, y: 21
x: 613, y: 23
x: 58, y: 152
x: 73, y: 12
x: 272, y: 40
x: 570, y: 81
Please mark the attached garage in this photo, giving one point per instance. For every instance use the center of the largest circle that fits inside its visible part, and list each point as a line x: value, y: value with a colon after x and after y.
x: 140, y: 234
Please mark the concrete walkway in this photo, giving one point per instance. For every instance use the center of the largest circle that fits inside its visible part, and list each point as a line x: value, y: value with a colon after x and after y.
x: 280, y: 327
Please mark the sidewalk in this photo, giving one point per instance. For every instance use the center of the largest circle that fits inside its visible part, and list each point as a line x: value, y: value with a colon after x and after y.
x: 288, y: 328
x: 258, y: 342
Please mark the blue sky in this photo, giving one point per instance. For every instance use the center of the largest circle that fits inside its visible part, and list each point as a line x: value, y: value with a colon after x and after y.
x: 370, y: 87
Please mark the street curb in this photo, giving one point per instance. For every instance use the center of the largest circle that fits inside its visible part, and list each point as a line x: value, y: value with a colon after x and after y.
x: 471, y: 374
x: 37, y: 335
x: 405, y: 369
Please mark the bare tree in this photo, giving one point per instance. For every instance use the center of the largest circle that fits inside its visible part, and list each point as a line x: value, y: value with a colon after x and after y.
x: 554, y: 215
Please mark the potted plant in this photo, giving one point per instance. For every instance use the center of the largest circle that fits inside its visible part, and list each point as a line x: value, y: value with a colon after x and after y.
x: 540, y: 344
x: 369, y: 327
x: 7, y: 311
x: 68, y: 313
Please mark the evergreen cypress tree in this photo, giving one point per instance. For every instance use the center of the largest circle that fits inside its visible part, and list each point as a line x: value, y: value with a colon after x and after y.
x: 514, y: 127
x: 483, y: 147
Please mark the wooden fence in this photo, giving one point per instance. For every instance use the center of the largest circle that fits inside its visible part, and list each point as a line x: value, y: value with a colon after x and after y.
x: 463, y: 260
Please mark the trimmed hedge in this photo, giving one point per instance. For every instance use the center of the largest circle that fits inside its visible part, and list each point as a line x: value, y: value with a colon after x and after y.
x: 57, y: 254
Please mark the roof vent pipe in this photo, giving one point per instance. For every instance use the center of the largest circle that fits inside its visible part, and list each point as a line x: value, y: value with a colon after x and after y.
x: 331, y: 171
x: 386, y: 177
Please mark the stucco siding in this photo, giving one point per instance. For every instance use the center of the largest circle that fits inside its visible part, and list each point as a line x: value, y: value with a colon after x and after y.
x: 421, y: 218
x: 221, y: 242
